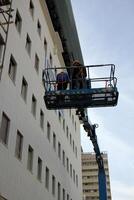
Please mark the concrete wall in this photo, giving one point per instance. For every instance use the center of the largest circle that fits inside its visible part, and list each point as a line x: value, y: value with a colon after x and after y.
x: 16, y: 181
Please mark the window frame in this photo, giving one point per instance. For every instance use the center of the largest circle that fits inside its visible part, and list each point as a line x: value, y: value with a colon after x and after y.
x: 53, y: 185
x: 47, y: 178
x: 36, y: 63
x: 24, y: 89
x: 19, y: 145
x: 39, y: 169
x: 28, y: 45
x: 54, y: 141
x: 4, y: 136
x: 30, y: 158
x: 31, y: 8
x: 34, y: 105
x: 39, y: 27
x: 18, y: 21
x: 12, y: 68
x: 59, y: 150
x: 41, y: 119
x: 2, y: 43
x: 48, y: 131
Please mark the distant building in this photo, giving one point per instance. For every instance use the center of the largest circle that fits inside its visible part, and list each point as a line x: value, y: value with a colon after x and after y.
x: 40, y: 151
x: 90, y: 176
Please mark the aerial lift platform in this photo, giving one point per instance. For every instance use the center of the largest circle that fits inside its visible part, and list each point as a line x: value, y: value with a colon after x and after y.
x: 99, y: 91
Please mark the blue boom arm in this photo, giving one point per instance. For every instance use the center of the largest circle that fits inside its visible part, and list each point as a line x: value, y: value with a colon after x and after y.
x: 90, y: 129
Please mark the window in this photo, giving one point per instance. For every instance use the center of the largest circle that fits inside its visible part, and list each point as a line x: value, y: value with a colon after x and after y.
x: 45, y: 48
x: 54, y: 141
x: 59, y: 116
x: 53, y: 184
x: 70, y: 138
x: 19, y: 145
x: 34, y: 104
x: 4, y: 129
x: 64, y: 124
x: 41, y: 119
x: 1, y: 46
x: 28, y: 44
x: 76, y: 152
x: 47, y: 178
x: 59, y: 191
x: 45, y: 44
x: 63, y: 157
x: 48, y: 131
x: 24, y: 88
x: 30, y: 158
x: 36, y: 64
x: 71, y: 170
x: 73, y: 175
x: 39, y: 28
x: 39, y: 169
x: 63, y: 194
x: 67, y: 132
x: 77, y: 180
x: 67, y: 196
x: 59, y: 150
x: 31, y: 8
x: 51, y: 60
x: 75, y: 126
x: 18, y: 21
x: 67, y: 160
x: 12, y: 68
x: 73, y: 145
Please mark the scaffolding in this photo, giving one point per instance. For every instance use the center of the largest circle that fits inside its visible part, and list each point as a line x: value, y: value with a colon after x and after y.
x: 5, y: 20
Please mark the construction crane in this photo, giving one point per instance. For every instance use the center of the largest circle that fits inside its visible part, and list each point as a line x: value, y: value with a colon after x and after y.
x: 98, y: 92
x: 5, y: 20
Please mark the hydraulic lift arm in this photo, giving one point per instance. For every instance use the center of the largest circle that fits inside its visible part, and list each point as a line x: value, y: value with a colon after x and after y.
x: 91, y: 132
x: 97, y: 92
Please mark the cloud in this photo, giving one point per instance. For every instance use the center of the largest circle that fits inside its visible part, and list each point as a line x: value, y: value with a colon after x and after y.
x: 127, y: 100
x: 122, y: 191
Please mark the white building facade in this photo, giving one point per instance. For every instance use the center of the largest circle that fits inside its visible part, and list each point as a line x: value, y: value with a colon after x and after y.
x: 40, y: 151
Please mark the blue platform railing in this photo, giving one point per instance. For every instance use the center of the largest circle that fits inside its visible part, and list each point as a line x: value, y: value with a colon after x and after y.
x: 99, y: 88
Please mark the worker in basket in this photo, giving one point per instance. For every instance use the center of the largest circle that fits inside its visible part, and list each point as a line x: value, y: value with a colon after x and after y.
x: 62, y: 80
x: 78, y: 75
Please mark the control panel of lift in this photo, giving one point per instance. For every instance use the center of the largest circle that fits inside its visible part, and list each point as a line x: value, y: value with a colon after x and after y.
x: 98, y: 88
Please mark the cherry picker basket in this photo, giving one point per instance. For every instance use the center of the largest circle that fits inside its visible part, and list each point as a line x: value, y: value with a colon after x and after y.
x: 97, y: 90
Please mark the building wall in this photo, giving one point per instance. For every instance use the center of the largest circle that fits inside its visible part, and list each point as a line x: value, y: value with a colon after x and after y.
x: 67, y: 21
x: 90, y: 176
x: 17, y: 182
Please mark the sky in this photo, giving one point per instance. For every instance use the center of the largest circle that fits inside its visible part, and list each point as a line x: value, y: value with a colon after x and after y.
x: 106, y: 34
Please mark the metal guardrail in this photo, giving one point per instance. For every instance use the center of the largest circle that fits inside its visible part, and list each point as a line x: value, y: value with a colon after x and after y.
x: 100, y: 81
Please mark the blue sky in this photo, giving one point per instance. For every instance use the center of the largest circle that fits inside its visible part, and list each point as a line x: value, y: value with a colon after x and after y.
x: 106, y: 33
